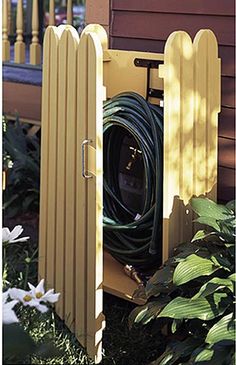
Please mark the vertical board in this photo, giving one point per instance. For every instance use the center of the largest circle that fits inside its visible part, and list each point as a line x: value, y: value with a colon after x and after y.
x: 177, y: 72
x: 70, y: 203
x: 200, y: 121
x: 207, y: 73
x: 52, y: 160
x: 44, y: 156
x: 95, y: 317
x: 81, y: 196
x: 61, y: 183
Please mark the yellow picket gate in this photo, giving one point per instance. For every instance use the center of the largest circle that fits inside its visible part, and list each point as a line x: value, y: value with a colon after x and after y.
x: 78, y: 74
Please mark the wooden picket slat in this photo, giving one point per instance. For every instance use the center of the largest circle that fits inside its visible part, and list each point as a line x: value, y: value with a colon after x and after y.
x: 95, y: 318
x: 61, y: 184
x: 70, y: 224
x: 5, y: 41
x: 19, y: 47
x: 186, y: 137
x: 35, y: 47
x: 52, y: 158
x: 200, y: 125
x: 213, y: 93
x: 177, y: 72
x: 44, y: 156
x: 81, y: 197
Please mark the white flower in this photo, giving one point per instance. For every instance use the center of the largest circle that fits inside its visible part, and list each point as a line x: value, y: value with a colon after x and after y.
x: 35, y: 296
x: 39, y: 294
x: 8, y: 314
x: 10, y: 237
x: 26, y: 298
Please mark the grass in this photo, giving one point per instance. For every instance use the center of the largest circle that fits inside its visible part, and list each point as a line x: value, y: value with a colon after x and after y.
x: 121, y: 346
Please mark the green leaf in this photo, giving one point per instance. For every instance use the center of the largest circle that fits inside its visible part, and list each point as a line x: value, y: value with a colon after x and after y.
x: 164, y: 275
x: 232, y: 277
x: 207, y: 208
x: 177, y: 350
x: 16, y: 342
x: 224, y: 330
x: 209, y: 221
x: 221, y: 261
x: 231, y: 205
x: 193, y: 267
x: 212, y: 356
x: 204, y: 355
x: 148, y: 312
x: 200, y: 235
x: 201, y: 308
x: 176, y: 324
x: 137, y: 314
x: 213, y: 285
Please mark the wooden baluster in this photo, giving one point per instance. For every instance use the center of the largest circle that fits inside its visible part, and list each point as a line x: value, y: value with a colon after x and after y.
x: 9, y: 23
x: 5, y: 41
x: 69, y: 12
x: 19, y: 48
x: 52, y: 12
x: 35, y: 47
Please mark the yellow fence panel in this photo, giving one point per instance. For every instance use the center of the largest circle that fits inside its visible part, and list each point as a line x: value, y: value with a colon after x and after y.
x: 71, y: 253
x: 191, y: 73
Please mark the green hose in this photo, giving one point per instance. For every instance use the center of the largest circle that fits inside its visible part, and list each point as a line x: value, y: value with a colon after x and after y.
x: 130, y: 240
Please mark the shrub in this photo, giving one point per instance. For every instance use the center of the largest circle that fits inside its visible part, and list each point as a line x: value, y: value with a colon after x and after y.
x: 192, y: 294
x: 21, y: 159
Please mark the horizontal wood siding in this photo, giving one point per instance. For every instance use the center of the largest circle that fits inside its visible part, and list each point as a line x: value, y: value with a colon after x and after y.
x: 97, y: 12
x: 214, y: 7
x: 145, y: 26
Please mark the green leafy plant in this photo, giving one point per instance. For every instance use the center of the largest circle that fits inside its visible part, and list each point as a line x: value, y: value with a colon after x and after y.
x: 21, y: 154
x: 192, y: 295
x: 18, y: 344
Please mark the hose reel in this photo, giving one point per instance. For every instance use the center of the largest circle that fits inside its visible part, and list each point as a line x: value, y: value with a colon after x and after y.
x: 132, y: 238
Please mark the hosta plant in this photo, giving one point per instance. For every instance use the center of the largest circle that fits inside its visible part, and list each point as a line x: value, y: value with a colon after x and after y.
x: 18, y: 344
x: 21, y: 161
x: 192, y: 295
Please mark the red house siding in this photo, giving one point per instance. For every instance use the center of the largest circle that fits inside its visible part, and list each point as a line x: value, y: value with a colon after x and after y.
x: 145, y: 26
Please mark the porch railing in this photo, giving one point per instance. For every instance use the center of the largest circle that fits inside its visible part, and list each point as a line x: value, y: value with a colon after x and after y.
x: 35, y: 48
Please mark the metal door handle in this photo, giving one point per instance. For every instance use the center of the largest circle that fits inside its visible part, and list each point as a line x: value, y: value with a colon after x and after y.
x: 85, y: 142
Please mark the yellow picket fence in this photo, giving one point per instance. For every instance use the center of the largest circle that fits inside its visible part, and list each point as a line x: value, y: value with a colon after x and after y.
x: 78, y: 74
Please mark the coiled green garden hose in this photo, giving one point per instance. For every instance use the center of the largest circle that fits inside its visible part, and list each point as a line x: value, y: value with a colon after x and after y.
x: 130, y: 240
